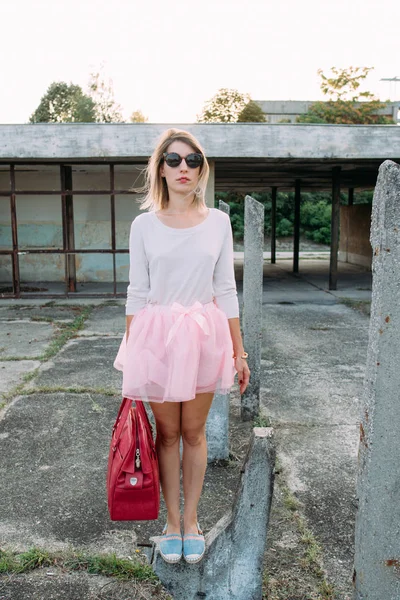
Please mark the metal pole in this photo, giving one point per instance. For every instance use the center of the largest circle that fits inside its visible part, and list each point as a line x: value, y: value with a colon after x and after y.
x: 273, y: 226
x: 333, y: 267
x: 296, y: 239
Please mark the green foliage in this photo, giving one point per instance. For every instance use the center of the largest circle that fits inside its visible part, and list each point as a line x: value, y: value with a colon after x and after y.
x: 237, y: 225
x: 315, y: 218
x: 261, y: 421
x: 108, y: 565
x: 346, y: 83
x: 284, y: 228
x: 67, y: 103
x: 236, y: 203
x: 102, y: 94
x: 231, y: 106
x: 25, y: 561
x: 364, y: 197
x: 63, y: 103
x: 251, y: 113
x: 315, y: 114
x: 315, y: 213
x: 346, y: 112
x: 138, y: 117
x: 224, y: 107
x: 345, y: 103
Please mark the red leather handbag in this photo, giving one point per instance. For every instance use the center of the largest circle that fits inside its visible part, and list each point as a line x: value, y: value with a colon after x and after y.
x: 133, y: 481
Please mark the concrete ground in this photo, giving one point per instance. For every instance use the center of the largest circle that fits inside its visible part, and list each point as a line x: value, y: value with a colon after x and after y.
x: 60, y: 394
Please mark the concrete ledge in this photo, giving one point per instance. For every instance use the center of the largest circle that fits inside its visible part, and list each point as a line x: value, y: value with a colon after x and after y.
x: 355, y: 259
x: 105, y: 141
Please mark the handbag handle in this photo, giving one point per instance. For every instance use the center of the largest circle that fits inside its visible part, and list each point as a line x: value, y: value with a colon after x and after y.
x: 122, y: 408
x: 141, y: 409
x: 143, y: 415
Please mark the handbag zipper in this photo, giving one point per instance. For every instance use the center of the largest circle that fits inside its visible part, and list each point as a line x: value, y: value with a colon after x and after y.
x: 137, y: 459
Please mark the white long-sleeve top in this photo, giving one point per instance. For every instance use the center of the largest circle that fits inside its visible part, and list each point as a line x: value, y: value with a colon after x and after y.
x: 182, y: 265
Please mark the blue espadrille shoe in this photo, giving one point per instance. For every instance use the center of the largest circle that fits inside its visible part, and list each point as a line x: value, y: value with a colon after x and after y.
x: 170, y: 546
x: 194, y: 546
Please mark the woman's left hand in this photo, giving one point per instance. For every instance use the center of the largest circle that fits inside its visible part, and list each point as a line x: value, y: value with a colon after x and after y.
x: 243, y: 371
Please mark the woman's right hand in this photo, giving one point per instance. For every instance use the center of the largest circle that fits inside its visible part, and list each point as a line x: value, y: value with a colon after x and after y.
x: 243, y: 372
x: 128, y: 324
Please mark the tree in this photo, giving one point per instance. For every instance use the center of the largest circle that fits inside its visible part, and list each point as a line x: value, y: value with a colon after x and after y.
x: 138, y: 117
x: 251, y: 113
x: 102, y: 94
x: 224, y: 107
x: 63, y: 103
x: 345, y: 104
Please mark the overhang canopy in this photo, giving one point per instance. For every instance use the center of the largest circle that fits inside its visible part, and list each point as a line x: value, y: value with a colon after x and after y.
x: 248, y: 156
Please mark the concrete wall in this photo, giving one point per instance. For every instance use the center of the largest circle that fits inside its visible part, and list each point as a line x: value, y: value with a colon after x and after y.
x: 355, y: 226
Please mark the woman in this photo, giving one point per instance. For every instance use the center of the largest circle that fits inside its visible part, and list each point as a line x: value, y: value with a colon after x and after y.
x: 182, y: 341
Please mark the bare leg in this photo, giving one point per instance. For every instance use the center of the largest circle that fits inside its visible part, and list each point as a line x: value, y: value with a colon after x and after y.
x: 194, y: 459
x: 168, y: 417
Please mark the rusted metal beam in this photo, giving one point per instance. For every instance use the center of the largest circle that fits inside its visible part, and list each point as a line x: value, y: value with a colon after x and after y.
x: 333, y: 266
x: 62, y: 251
x: 68, y: 192
x: 71, y: 295
x: 273, y: 225
x: 68, y: 227
x: 14, y: 234
x: 68, y: 250
x: 296, y: 236
x: 112, y: 207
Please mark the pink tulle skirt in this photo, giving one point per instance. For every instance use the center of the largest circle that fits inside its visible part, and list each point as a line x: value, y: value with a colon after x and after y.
x: 175, y: 352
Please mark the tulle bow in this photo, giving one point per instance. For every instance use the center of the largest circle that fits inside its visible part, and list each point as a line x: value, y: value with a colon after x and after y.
x: 190, y: 311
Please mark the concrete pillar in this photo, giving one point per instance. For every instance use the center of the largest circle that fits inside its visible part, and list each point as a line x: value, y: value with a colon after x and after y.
x: 217, y: 426
x: 232, y: 567
x: 273, y: 226
x: 252, y: 302
x: 210, y: 190
x: 296, y: 237
x: 377, y: 533
x: 333, y: 267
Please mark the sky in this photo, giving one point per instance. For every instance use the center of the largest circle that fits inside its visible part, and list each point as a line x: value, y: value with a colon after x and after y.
x: 168, y: 58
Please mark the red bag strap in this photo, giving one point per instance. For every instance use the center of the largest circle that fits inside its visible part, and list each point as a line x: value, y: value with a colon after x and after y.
x: 124, y: 405
x: 123, y: 410
x: 143, y: 417
x: 141, y: 408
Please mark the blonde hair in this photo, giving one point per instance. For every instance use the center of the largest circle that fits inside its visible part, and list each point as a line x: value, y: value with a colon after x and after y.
x: 155, y: 187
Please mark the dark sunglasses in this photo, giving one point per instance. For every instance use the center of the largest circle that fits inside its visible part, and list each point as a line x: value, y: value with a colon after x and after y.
x: 193, y: 160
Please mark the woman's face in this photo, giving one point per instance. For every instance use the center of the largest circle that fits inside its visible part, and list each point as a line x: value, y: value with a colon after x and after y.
x: 180, y: 179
